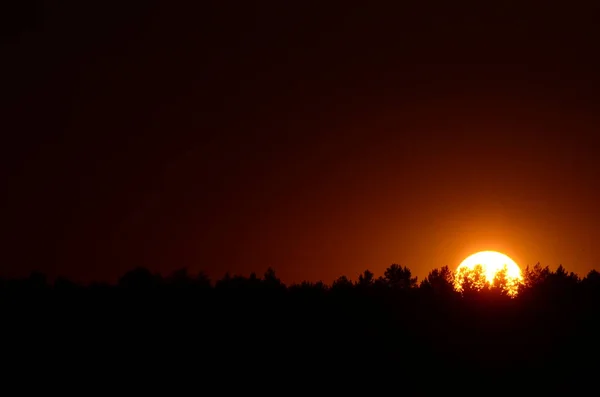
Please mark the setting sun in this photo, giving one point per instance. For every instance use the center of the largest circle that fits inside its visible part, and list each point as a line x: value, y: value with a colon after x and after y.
x: 485, y: 267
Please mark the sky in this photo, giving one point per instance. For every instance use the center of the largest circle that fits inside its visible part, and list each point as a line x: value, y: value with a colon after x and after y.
x: 319, y: 139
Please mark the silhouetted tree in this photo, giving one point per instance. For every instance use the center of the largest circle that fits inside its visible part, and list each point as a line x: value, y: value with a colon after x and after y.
x: 366, y: 279
x: 342, y: 283
x: 591, y: 280
x: 139, y: 278
x: 399, y: 277
x: 593, y: 277
x: 224, y: 282
x: 179, y: 278
x: 590, y: 286
x: 568, y: 278
x: 561, y: 282
x: 65, y: 285
x: 502, y: 285
x: 536, y: 275
x: 439, y: 281
x: 271, y: 280
x: 469, y: 282
x: 318, y: 286
x: 202, y: 280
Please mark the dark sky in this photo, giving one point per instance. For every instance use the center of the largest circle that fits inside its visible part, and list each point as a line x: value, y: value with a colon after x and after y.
x: 319, y: 138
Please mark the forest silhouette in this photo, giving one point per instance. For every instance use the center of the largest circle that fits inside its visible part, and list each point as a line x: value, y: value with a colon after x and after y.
x: 254, y: 324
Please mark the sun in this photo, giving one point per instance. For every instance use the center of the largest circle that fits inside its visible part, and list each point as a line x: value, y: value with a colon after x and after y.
x: 482, y: 268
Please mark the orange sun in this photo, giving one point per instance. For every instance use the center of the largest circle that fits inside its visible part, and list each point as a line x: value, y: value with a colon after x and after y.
x: 484, y: 267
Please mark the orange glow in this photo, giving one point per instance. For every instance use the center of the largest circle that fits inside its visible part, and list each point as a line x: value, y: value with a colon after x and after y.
x: 489, y: 267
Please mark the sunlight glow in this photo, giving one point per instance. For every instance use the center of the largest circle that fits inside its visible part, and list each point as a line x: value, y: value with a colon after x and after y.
x: 486, y: 266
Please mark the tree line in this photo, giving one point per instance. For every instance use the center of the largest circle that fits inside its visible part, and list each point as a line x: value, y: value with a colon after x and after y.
x: 258, y: 324
x: 439, y: 281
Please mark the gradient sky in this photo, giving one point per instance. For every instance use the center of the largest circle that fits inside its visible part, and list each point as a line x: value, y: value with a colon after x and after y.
x: 319, y: 140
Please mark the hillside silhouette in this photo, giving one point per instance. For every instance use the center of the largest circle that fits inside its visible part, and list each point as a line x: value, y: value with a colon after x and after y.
x: 257, y: 325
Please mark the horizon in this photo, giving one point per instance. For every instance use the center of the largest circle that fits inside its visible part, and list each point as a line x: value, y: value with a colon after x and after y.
x: 261, y: 273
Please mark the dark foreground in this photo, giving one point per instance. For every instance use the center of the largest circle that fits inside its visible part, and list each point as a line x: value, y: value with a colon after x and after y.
x: 356, y: 335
